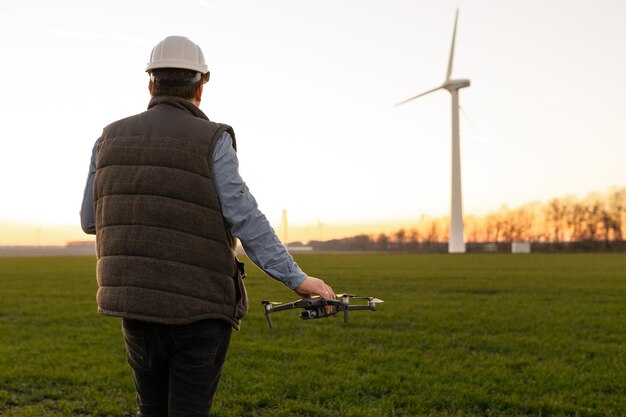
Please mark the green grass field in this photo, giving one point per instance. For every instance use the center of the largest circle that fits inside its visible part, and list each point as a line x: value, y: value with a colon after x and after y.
x: 468, y: 335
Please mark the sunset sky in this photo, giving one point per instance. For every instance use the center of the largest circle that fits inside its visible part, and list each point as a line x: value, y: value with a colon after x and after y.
x: 309, y: 88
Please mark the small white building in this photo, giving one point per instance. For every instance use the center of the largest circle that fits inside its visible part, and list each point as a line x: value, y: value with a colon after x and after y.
x: 520, y: 247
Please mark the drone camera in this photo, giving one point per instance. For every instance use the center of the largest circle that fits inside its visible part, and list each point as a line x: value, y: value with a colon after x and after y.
x: 308, y: 314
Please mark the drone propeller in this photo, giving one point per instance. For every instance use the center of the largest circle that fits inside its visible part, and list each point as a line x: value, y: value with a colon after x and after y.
x: 274, y: 303
x: 345, y: 299
x: 357, y: 297
x: 346, y: 295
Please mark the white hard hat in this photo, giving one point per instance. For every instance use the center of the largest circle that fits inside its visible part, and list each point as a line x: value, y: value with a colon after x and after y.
x: 177, y: 52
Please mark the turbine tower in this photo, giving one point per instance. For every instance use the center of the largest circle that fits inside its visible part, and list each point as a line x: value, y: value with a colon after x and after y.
x: 456, y: 243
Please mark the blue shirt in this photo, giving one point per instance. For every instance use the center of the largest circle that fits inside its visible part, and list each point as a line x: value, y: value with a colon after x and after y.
x: 239, y: 208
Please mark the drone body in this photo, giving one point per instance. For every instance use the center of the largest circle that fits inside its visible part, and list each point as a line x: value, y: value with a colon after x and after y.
x: 318, y: 307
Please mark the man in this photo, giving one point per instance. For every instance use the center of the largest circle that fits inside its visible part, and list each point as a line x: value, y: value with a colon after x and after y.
x: 166, y: 202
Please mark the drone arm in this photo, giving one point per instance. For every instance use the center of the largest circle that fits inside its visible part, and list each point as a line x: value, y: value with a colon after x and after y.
x: 284, y: 307
x: 269, y: 309
x: 353, y: 307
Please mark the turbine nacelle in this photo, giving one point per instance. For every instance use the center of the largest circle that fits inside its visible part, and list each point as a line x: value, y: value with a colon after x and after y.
x: 456, y: 84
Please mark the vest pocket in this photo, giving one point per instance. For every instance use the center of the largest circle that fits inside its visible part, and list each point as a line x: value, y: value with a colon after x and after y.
x: 241, y: 307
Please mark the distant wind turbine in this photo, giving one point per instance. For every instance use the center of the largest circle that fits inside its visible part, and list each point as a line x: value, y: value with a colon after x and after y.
x: 456, y: 243
x: 285, y: 225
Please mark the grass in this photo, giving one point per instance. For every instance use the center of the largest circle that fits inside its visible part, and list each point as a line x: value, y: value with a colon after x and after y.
x: 468, y: 335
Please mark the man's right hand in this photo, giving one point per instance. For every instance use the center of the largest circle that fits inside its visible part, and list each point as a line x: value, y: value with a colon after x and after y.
x: 315, y: 286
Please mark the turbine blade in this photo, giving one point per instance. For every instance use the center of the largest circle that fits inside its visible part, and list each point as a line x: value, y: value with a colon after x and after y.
x: 468, y: 119
x: 419, y: 95
x: 451, y: 59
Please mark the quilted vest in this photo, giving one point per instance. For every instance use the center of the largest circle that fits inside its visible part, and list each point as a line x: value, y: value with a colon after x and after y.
x: 164, y: 251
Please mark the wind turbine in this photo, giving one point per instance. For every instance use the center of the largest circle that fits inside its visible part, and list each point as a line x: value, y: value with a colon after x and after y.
x: 456, y: 243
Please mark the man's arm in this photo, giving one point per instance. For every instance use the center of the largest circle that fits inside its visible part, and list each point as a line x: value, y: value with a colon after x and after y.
x: 247, y: 223
x: 87, y: 221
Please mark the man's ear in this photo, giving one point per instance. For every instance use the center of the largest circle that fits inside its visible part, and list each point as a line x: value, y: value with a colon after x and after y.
x: 198, y: 96
x: 150, y: 86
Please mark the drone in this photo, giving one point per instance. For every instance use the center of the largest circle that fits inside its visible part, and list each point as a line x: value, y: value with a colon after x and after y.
x: 315, y: 307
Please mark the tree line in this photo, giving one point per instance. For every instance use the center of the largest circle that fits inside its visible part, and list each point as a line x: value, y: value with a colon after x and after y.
x: 596, y: 222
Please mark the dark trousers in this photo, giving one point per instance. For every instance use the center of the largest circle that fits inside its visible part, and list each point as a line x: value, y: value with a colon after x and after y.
x: 176, y: 368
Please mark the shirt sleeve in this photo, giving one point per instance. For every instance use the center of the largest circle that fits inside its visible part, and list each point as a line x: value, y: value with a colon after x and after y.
x: 246, y: 221
x: 87, y: 221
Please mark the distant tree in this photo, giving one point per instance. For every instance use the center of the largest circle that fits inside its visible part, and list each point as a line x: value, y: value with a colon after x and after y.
x: 505, y: 218
x: 382, y: 242
x: 412, y: 240
x: 494, y: 227
x: 606, y: 222
x: 523, y: 223
x: 556, y: 212
x: 575, y: 220
x: 617, y: 212
x: 361, y: 242
x: 473, y: 228
x: 587, y: 220
x: 433, y: 232
x: 400, y: 235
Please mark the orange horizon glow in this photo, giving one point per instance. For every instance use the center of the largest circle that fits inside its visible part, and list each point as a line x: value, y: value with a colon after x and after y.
x: 31, y: 234
x: 14, y: 233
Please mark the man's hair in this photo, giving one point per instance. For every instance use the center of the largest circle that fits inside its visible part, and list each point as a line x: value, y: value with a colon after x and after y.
x: 182, y: 83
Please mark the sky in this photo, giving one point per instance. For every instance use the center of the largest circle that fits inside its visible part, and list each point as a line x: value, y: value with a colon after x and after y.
x: 310, y: 88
